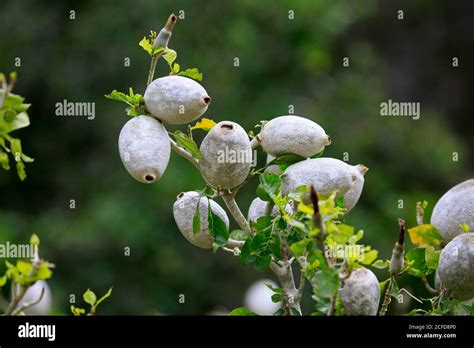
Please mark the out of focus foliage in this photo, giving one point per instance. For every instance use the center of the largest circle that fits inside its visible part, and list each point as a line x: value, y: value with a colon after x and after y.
x: 87, y: 208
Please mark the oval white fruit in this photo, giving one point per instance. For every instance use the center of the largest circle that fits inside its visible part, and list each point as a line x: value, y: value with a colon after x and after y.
x: 176, y: 99
x: 456, y: 266
x: 352, y: 196
x: 258, y: 298
x: 227, y: 155
x: 327, y: 175
x: 456, y: 207
x: 183, y: 211
x: 33, y: 293
x: 360, y: 293
x: 144, y: 147
x: 257, y: 209
x: 293, y: 135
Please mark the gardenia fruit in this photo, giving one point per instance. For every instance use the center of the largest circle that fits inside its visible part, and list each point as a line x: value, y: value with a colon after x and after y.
x: 33, y: 293
x: 227, y: 155
x: 176, y: 99
x: 293, y: 135
x: 184, y: 209
x: 258, y: 207
x: 352, y: 196
x: 144, y: 147
x: 360, y: 293
x: 456, y: 266
x: 327, y: 175
x: 456, y: 207
x: 258, y: 298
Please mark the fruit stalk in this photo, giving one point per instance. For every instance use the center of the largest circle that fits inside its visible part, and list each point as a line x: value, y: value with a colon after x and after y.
x: 162, y: 38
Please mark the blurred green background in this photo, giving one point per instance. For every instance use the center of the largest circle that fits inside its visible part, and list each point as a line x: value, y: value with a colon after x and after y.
x: 282, y: 62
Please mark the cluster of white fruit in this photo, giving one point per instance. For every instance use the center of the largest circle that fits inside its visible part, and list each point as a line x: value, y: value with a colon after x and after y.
x: 453, y: 215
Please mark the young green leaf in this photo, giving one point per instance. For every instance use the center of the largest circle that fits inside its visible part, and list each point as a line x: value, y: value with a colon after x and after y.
x: 192, y: 73
x: 217, y: 229
x: 107, y: 295
x: 197, y: 218
x: 90, y: 297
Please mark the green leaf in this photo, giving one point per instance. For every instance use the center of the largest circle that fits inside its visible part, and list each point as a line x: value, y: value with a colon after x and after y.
x: 286, y: 160
x: 217, y: 228
x: 432, y: 257
x: 197, y: 218
x: 242, y: 311
x: 43, y: 272
x: 380, y: 264
x: 107, y: 295
x: 295, y: 312
x: 298, y: 248
x: 325, y: 282
x: 24, y: 267
x: 340, y: 202
x: 187, y: 143
x: 147, y: 45
x: 3, y: 280
x: 369, y: 257
x: 20, y: 169
x: 270, y: 184
x: 191, y: 73
x: 90, y: 297
x: 425, y: 235
x: 170, y: 56
x: 135, y: 101
x: 77, y: 311
x: 416, y: 263
x: 34, y: 239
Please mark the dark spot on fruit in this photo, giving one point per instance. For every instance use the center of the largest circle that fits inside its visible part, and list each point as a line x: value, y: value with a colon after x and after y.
x: 227, y: 126
x: 207, y: 100
x: 180, y: 195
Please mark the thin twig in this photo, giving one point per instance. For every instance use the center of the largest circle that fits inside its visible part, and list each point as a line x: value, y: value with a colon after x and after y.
x: 388, y: 296
x: 183, y: 153
x: 229, y: 200
x: 428, y: 286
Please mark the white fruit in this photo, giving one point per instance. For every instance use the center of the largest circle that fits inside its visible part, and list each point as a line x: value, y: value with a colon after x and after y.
x: 352, y: 196
x: 258, y: 298
x: 327, y: 175
x: 274, y: 168
x: 257, y: 209
x: 456, y: 266
x: 293, y: 135
x: 456, y: 207
x: 184, y: 209
x: 176, y: 99
x: 144, y: 147
x: 360, y: 293
x: 33, y: 293
x: 227, y: 155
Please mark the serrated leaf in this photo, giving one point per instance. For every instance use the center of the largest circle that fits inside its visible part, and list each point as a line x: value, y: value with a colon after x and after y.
x: 425, y: 235
x: 192, y: 73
